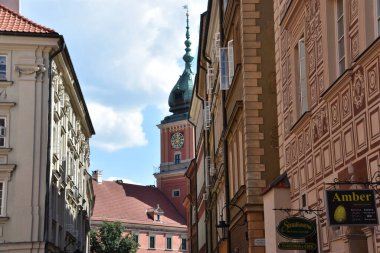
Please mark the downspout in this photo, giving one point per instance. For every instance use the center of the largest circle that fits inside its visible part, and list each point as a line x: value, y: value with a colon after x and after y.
x: 225, y: 144
x: 61, y: 47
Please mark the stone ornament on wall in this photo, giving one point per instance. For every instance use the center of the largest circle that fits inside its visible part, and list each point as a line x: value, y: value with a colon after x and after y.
x: 372, y: 79
x: 358, y: 96
x: 320, y: 124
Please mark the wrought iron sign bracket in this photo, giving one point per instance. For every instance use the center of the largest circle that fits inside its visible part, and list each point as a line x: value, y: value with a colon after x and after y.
x: 374, y: 183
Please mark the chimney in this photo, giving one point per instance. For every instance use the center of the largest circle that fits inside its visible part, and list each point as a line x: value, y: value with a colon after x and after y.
x: 97, y: 175
x: 11, y: 4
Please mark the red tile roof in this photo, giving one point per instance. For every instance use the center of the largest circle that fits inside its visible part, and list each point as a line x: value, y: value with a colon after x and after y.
x: 128, y: 203
x: 11, y: 21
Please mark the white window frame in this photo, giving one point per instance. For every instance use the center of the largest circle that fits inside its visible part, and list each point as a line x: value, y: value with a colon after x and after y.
x: 377, y: 17
x: 166, y: 242
x: 184, y: 249
x: 3, y: 207
x: 154, y: 241
x: 340, y: 37
x: 3, y: 61
x: 302, y: 83
x: 176, y: 190
x: 3, y: 131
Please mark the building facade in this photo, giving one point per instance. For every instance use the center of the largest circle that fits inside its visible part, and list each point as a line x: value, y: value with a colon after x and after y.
x: 147, y: 214
x: 46, y: 195
x: 236, y: 151
x: 328, y: 96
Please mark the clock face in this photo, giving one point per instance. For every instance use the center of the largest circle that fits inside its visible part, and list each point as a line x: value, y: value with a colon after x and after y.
x: 177, y: 140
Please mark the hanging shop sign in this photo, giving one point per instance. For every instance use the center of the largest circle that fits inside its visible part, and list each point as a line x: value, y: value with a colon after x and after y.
x: 351, y: 207
x: 297, y: 246
x: 296, y: 228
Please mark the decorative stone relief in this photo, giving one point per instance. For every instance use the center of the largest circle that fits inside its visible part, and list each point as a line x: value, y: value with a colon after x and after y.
x: 334, y: 112
x: 320, y: 124
x: 358, y: 96
x: 372, y: 78
x: 355, y: 45
x: 353, y: 10
x: 346, y: 104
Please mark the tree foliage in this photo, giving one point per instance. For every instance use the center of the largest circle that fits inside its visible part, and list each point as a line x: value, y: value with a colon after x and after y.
x: 108, y: 239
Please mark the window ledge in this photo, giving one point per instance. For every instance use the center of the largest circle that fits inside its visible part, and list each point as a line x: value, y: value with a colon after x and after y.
x: 5, y: 84
x: 5, y: 151
x: 3, y: 219
x: 7, y: 104
x: 300, y: 121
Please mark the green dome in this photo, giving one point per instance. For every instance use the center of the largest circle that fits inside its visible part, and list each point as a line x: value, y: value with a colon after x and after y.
x: 180, y: 96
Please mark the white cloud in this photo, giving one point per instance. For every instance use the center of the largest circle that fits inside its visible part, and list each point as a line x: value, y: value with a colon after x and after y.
x: 125, y: 180
x: 117, y: 129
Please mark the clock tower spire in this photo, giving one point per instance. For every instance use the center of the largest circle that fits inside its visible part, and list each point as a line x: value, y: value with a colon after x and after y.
x: 177, y: 135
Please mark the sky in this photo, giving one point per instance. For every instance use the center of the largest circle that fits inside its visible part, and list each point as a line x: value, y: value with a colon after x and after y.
x: 127, y: 56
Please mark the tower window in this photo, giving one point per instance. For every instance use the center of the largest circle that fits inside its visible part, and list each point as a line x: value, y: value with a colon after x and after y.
x: 176, y: 193
x: 177, y: 158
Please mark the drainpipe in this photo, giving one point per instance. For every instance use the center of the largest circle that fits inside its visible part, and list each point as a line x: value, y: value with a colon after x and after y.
x: 225, y: 144
x: 61, y: 47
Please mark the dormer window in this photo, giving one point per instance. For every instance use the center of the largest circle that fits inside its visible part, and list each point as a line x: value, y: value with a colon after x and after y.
x: 157, y: 217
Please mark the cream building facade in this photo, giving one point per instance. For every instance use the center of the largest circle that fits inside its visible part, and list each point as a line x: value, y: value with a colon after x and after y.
x: 328, y: 96
x: 46, y: 195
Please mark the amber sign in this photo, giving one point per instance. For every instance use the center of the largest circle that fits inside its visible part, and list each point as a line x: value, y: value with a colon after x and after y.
x: 351, y: 207
x: 296, y: 228
x: 297, y: 246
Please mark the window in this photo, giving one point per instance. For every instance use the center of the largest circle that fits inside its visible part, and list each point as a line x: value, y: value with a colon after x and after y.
x: 3, y: 67
x: 152, y: 242
x: 223, y: 65
x: 302, y: 85
x: 176, y: 193
x: 157, y: 217
x: 340, y: 36
x: 135, y: 237
x: 177, y: 158
x: 2, y: 198
x: 378, y: 16
x: 2, y: 131
x: 168, y: 243
x: 183, y: 244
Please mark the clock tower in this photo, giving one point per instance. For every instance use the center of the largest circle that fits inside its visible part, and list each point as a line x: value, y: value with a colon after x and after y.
x: 177, y: 136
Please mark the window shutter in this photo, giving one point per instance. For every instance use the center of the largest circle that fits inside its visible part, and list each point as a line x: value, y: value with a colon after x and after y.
x: 210, y: 79
x: 231, y: 63
x: 302, y: 77
x: 223, y: 68
x: 207, y: 115
x: 217, y: 44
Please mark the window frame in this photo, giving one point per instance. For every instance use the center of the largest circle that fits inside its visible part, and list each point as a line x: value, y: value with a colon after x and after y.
x: 6, y: 67
x: 168, y: 237
x: 3, y: 127
x: 177, y: 158
x: 150, y: 242
x: 3, y: 198
x: 176, y: 190
x: 377, y: 17
x: 184, y: 240
x: 302, y: 88
x: 340, y: 38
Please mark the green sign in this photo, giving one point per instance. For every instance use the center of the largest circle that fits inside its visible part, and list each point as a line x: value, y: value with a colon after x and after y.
x: 296, y: 228
x: 297, y: 246
x: 351, y: 207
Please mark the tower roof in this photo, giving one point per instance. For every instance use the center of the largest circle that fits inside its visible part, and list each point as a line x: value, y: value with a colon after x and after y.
x: 180, y: 96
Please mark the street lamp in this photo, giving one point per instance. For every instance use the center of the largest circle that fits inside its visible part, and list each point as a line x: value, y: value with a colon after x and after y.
x: 223, y: 227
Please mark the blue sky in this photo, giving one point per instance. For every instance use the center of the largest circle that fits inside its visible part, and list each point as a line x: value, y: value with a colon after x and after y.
x: 127, y: 55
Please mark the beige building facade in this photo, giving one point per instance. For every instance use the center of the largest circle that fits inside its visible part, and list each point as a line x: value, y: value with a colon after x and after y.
x: 236, y: 149
x: 328, y: 96
x: 46, y: 195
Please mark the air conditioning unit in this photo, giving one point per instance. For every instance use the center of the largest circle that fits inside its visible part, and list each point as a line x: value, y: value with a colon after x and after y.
x: 207, y: 115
